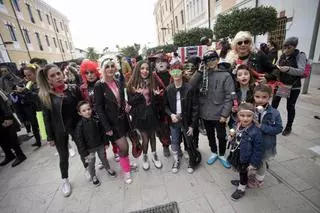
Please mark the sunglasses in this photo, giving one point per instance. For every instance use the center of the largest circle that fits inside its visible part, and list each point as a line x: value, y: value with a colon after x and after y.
x: 243, y: 42
x: 89, y: 72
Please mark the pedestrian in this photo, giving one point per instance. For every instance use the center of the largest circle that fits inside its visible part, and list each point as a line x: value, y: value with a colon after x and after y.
x: 291, y: 66
x: 60, y: 115
x: 8, y: 133
x: 143, y: 96
x: 270, y: 124
x: 246, y: 148
x: 109, y: 102
x: 273, y: 52
x: 216, y: 88
x: 182, y: 107
x: 92, y: 139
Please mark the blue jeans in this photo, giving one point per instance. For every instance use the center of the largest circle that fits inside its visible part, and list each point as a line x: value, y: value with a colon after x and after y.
x: 176, y: 136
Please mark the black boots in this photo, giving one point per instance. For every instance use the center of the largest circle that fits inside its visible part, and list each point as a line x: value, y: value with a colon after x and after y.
x: 287, y: 131
x: 19, y: 160
x: 7, y: 160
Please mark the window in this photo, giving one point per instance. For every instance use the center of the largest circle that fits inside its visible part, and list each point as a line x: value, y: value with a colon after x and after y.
x: 61, y: 46
x: 12, y: 32
x: 39, y: 14
x: 39, y: 41
x: 26, y: 36
x: 47, y: 39
x: 48, y: 19
x: 70, y: 45
x: 16, y: 5
x: 61, y: 26
x: 55, y: 24
x: 66, y: 28
x: 30, y: 13
x: 166, y: 5
x: 182, y: 17
x: 171, y: 27
x: 177, y: 22
x: 54, y: 41
x: 201, y: 5
x: 170, y: 5
x: 194, y: 8
x: 66, y: 45
x: 198, y: 7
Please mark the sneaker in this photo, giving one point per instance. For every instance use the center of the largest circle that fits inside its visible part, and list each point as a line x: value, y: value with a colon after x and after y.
x: 87, y: 174
x: 116, y: 157
x: 175, y: 166
x: 237, y: 194
x: 224, y: 162
x: 212, y: 158
x: 166, y: 151
x: 286, y: 131
x: 127, y: 178
x: 190, y: 169
x: 72, y: 152
x: 145, y: 164
x: 112, y: 173
x: 66, y: 187
x: 100, y: 165
x: 235, y: 182
x: 157, y: 163
x: 95, y: 181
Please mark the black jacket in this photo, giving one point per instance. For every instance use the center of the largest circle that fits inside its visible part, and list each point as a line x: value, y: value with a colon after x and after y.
x: 106, y: 105
x: 189, y: 104
x: 63, y: 116
x: 89, y: 134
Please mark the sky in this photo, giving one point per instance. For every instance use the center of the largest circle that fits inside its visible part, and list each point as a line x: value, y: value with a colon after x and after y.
x: 107, y: 23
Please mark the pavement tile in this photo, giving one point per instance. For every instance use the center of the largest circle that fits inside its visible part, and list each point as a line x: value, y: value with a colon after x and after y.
x: 283, y: 154
x: 197, y: 205
x: 154, y: 196
x: 313, y: 195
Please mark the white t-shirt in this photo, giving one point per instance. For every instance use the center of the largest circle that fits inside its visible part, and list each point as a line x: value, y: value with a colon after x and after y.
x: 178, y: 104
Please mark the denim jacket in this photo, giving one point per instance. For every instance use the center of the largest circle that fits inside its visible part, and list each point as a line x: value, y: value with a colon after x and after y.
x: 251, y: 146
x: 271, y: 125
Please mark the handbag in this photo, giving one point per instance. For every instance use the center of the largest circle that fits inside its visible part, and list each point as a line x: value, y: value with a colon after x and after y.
x: 283, y: 90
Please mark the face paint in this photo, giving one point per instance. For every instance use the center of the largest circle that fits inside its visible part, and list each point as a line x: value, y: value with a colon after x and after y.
x: 176, y: 72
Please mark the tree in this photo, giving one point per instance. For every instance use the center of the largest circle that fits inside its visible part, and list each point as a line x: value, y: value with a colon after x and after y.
x: 257, y: 20
x: 92, y: 53
x: 131, y: 51
x: 163, y: 48
x: 191, y: 37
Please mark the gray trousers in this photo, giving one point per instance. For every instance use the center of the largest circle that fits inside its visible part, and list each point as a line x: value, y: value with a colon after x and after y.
x: 100, y: 150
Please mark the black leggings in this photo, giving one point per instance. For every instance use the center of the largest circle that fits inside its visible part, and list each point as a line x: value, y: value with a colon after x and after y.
x: 146, y: 137
x: 243, y: 177
x: 291, y: 104
x: 9, y: 140
x: 211, y: 126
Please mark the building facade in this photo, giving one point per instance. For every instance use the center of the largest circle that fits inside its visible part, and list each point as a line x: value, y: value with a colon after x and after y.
x: 32, y: 28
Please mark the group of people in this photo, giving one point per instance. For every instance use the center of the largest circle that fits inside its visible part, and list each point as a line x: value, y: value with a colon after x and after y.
x: 226, y: 89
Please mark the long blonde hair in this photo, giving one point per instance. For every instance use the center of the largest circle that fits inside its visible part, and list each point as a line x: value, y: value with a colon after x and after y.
x: 44, y: 86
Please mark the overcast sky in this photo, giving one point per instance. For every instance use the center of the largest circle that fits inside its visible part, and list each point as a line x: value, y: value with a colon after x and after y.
x: 101, y: 23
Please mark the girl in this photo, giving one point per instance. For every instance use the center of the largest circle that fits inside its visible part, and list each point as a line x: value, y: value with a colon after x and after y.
x: 244, y: 90
x: 110, y: 105
x: 142, y: 94
x: 246, y: 149
x: 60, y: 115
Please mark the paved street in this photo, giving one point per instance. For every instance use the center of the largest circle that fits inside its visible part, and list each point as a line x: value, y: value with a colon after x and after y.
x: 292, y: 184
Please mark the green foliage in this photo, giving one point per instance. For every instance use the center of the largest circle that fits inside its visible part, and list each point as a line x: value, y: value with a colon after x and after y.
x: 92, y: 53
x: 130, y: 51
x: 257, y: 20
x: 191, y: 37
x: 163, y: 48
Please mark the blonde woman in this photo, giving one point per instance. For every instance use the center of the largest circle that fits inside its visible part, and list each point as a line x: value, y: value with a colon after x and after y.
x: 60, y: 114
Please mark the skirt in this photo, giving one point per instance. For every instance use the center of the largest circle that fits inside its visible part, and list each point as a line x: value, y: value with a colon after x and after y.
x: 120, y: 129
x: 147, y: 124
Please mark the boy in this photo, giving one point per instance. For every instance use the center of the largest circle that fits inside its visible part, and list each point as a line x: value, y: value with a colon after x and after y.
x: 90, y: 138
x: 270, y: 123
x: 182, y: 107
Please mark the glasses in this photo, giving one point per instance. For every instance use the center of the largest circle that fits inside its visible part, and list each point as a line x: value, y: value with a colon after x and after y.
x: 246, y: 42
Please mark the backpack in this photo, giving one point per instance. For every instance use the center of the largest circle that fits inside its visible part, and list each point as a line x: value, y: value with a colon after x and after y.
x: 307, y: 69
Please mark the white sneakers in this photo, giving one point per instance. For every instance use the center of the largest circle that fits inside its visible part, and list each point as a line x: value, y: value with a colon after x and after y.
x: 145, y: 163
x: 127, y: 178
x: 66, y: 187
x: 157, y: 163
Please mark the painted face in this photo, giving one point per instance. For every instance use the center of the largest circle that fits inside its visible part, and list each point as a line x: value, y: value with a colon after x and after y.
x: 91, y: 76
x: 189, y: 69
x: 110, y: 69
x: 55, y: 77
x: 243, y: 77
x: 144, y: 70
x: 288, y: 49
x: 243, y: 47
x: 85, y: 111
x: 161, y: 66
x: 176, y: 74
x: 261, y: 98
x: 245, y: 117
x: 30, y: 76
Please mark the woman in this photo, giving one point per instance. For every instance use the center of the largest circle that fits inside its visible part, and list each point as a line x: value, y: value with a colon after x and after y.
x: 60, y: 114
x: 71, y: 75
x: 291, y: 66
x: 142, y: 95
x: 110, y: 105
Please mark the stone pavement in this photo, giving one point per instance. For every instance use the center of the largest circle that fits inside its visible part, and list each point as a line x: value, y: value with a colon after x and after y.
x: 292, y: 183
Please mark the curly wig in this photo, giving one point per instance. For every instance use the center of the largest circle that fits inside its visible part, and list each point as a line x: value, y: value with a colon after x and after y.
x: 88, y: 66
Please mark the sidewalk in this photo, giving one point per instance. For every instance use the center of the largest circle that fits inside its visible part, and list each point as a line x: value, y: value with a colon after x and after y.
x: 292, y: 184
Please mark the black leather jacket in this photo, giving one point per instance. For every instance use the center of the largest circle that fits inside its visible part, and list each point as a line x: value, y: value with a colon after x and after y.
x: 189, y: 104
x: 63, y: 116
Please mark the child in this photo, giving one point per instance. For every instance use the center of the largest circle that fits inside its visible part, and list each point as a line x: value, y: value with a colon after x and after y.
x: 244, y: 90
x: 248, y: 146
x: 182, y: 107
x: 270, y: 123
x: 91, y: 139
